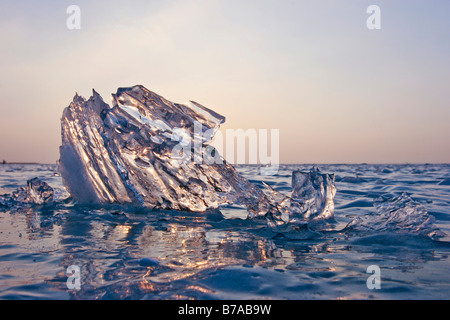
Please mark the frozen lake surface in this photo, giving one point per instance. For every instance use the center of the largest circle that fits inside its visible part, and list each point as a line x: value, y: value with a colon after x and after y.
x: 125, y: 253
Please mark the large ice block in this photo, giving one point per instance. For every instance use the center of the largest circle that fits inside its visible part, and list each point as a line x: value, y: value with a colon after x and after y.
x: 148, y: 151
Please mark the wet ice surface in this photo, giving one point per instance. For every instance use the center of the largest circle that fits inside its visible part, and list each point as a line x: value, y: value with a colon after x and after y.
x: 141, y: 254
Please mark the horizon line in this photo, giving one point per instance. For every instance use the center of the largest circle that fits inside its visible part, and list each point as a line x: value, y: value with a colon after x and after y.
x: 287, y: 163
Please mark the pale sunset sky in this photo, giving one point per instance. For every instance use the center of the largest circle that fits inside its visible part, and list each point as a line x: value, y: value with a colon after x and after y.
x: 337, y: 91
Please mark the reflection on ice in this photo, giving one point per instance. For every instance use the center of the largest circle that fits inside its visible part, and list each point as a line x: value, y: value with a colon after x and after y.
x: 124, y: 252
x: 171, y: 255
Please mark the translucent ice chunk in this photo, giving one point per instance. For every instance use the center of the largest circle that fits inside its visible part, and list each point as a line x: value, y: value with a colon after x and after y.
x: 126, y: 155
x: 312, y: 198
x: 37, y: 192
x: 399, y: 214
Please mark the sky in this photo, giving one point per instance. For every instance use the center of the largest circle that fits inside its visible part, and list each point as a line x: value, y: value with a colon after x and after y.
x: 337, y: 91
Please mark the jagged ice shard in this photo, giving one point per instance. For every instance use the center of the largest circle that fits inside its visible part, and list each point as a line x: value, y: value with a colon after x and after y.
x: 401, y: 214
x: 37, y: 192
x: 312, y: 198
x: 132, y: 153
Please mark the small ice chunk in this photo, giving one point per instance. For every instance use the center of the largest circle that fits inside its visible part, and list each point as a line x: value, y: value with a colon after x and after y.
x: 399, y: 214
x: 36, y: 192
x: 312, y: 198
